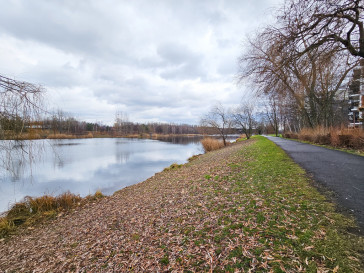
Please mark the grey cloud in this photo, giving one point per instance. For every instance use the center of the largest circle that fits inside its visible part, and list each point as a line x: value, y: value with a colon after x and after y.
x: 175, y: 54
x: 135, y: 92
x: 47, y: 23
x: 139, y: 94
x: 181, y: 62
x: 61, y: 76
x: 73, y: 26
x: 138, y: 54
x: 190, y: 70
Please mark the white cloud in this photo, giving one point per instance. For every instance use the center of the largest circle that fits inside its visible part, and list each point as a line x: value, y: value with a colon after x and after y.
x: 157, y: 60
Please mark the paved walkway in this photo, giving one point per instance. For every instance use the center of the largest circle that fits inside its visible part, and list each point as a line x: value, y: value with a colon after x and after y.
x: 341, y: 172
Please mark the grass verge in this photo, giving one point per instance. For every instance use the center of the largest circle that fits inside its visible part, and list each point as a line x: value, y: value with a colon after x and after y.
x: 285, y: 224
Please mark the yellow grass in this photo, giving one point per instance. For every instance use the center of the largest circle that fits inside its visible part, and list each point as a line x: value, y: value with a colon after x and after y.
x: 337, y: 137
x: 32, y: 210
x: 88, y: 135
x: 210, y: 144
x: 67, y: 136
x: 60, y: 136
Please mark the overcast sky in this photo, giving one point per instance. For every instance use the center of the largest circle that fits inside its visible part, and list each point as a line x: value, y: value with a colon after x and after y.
x: 165, y: 61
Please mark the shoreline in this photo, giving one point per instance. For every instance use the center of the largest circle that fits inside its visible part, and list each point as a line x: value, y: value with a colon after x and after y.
x: 230, y: 209
x: 50, y: 151
x: 100, y: 135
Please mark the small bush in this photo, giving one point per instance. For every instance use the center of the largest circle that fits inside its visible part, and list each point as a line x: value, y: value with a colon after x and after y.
x: 91, y: 198
x: 173, y: 166
x: 210, y: 144
x: 242, y: 137
x: 98, y: 194
x: 192, y: 158
x: 290, y: 135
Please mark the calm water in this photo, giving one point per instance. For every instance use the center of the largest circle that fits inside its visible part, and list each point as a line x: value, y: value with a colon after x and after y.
x: 84, y: 166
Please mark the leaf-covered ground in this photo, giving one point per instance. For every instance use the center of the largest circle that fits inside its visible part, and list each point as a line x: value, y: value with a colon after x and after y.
x: 243, y: 208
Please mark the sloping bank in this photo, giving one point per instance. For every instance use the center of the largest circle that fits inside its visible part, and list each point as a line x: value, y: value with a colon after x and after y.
x: 244, y: 206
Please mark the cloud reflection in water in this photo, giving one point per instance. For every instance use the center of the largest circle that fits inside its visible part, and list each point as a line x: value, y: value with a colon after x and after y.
x: 84, y: 166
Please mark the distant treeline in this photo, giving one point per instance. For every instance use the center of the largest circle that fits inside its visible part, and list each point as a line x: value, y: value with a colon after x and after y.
x: 63, y: 124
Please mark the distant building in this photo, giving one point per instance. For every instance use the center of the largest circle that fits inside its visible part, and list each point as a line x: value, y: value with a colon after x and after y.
x: 356, y: 98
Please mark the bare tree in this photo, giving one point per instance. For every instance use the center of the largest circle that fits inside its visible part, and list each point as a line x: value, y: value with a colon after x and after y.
x: 219, y: 119
x: 330, y: 24
x: 121, y: 122
x: 273, y: 111
x: 20, y: 106
x: 244, y: 119
x: 313, y: 81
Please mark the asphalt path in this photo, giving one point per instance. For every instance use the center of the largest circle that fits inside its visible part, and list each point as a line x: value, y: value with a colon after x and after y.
x: 340, y: 172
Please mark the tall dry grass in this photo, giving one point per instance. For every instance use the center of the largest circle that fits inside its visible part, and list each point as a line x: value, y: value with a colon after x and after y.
x: 60, y: 136
x: 32, y: 210
x: 211, y: 144
x: 67, y: 136
x: 338, y: 137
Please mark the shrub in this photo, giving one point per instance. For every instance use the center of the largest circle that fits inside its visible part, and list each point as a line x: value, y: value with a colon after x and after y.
x: 290, y: 135
x: 173, y: 166
x: 352, y: 138
x: 210, y: 144
x: 337, y: 137
x: 98, y: 194
x: 194, y: 157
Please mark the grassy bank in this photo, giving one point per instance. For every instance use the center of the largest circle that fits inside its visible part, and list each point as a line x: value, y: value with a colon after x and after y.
x: 246, y: 206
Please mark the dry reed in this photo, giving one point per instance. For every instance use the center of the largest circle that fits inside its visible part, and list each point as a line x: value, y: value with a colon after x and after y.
x: 210, y: 144
x: 337, y: 137
x: 32, y: 210
x: 60, y: 136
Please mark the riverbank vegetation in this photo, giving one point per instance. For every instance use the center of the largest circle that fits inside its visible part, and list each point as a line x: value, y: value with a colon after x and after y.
x: 335, y: 137
x: 33, y: 211
x: 305, y: 69
x: 246, y: 206
x: 211, y: 144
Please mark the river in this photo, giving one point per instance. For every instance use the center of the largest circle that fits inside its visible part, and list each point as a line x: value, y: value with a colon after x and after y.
x: 83, y: 166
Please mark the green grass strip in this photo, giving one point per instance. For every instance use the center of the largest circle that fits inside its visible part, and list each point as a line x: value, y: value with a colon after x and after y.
x: 297, y: 226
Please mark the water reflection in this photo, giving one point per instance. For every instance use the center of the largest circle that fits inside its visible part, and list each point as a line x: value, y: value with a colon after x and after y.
x: 182, y: 140
x: 84, y: 166
x: 16, y: 156
x: 194, y: 139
